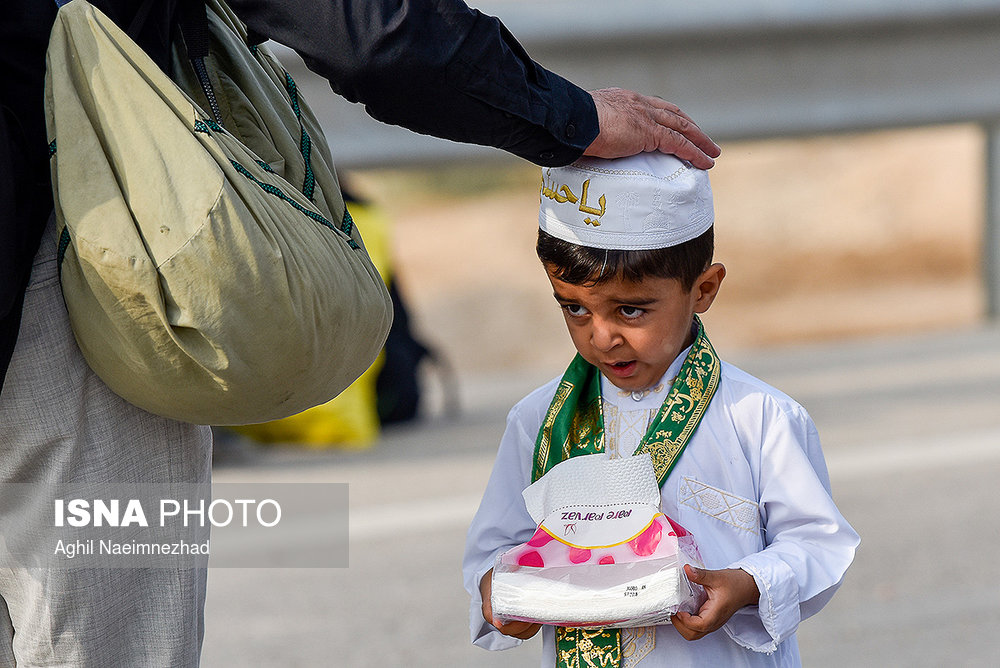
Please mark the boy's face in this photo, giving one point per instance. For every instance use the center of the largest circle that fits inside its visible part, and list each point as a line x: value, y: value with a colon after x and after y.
x: 632, y: 331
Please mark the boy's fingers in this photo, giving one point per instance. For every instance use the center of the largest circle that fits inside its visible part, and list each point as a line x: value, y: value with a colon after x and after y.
x: 529, y: 632
x: 694, y: 622
x: 521, y: 630
x: 684, y: 623
x: 698, y: 575
x: 706, y: 621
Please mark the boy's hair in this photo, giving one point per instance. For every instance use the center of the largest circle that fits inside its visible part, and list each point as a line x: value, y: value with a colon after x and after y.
x: 583, y: 265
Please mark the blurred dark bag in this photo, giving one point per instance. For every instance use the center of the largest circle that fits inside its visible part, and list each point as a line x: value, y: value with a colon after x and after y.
x: 398, y: 388
x: 25, y: 200
x: 12, y: 265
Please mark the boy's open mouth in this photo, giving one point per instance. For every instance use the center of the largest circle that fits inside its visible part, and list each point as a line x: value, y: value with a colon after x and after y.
x: 622, y: 368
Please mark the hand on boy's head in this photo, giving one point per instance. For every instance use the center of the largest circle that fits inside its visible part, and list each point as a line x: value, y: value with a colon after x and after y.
x: 631, y: 123
x: 728, y: 590
x: 515, y: 629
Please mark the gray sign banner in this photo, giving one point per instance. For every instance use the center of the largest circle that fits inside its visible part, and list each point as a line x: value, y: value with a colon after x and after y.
x: 226, y: 525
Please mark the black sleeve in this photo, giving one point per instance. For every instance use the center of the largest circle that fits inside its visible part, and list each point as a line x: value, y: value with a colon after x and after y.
x: 436, y: 67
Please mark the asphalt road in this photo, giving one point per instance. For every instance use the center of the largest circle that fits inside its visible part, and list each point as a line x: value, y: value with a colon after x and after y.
x: 911, y: 431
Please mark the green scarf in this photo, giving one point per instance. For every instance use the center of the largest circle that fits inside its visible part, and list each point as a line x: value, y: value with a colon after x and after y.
x: 574, y: 425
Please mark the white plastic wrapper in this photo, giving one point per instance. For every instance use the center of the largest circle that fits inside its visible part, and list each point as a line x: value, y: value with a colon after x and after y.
x: 603, y: 554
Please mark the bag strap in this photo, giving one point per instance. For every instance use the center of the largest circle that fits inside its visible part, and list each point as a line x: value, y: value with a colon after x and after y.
x: 194, y: 28
x: 139, y: 20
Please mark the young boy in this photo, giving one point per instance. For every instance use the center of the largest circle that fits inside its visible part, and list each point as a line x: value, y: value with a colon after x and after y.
x: 627, y: 245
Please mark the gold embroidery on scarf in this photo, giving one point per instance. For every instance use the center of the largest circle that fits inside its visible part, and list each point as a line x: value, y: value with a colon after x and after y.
x: 587, y: 648
x: 691, y: 406
x: 585, y: 430
x: 562, y: 394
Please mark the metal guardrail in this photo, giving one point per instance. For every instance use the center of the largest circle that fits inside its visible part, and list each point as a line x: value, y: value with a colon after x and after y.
x: 748, y: 69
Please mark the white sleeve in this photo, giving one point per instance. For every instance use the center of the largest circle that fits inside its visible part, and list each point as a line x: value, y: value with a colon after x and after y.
x: 808, y: 543
x: 501, y: 522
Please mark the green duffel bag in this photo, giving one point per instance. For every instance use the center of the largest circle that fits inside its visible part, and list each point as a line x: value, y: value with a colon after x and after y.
x: 211, y: 271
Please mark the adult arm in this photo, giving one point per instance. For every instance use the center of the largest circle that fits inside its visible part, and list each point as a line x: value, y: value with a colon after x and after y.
x: 441, y: 68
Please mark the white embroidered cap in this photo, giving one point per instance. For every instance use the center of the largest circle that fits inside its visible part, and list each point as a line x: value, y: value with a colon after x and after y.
x: 646, y: 201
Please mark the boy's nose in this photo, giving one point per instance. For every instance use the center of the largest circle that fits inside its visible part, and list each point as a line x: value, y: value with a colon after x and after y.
x: 604, y: 335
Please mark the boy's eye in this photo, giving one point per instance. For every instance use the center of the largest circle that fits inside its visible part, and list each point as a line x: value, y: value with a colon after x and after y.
x: 575, y: 309
x: 631, y: 312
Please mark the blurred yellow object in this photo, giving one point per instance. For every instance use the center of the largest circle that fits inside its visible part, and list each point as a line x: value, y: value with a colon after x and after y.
x: 350, y: 420
x: 347, y: 421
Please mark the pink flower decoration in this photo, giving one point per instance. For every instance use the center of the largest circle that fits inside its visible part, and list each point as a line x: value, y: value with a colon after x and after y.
x: 606, y: 560
x: 578, y: 555
x: 531, y: 558
x: 540, y: 538
x: 678, y: 529
x: 645, y: 543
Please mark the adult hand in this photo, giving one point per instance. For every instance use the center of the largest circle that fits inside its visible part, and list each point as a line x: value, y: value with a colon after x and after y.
x: 631, y: 123
x: 728, y: 590
x: 514, y: 629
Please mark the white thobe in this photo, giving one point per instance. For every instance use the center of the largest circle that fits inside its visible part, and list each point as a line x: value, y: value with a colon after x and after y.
x: 752, y: 486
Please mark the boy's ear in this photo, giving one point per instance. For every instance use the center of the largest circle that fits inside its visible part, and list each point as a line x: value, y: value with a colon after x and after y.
x: 706, y: 287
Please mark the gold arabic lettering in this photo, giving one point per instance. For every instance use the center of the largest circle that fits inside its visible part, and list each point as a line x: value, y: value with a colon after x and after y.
x: 563, y: 194
x: 588, y: 209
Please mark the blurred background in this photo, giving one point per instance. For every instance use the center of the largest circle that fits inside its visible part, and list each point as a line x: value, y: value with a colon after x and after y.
x: 856, y: 215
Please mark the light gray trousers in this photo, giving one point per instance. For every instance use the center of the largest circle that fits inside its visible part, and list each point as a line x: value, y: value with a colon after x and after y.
x: 59, y: 424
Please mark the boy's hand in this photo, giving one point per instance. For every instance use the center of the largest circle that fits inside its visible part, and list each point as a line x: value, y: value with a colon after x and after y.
x: 728, y: 590
x: 631, y: 123
x: 522, y: 630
